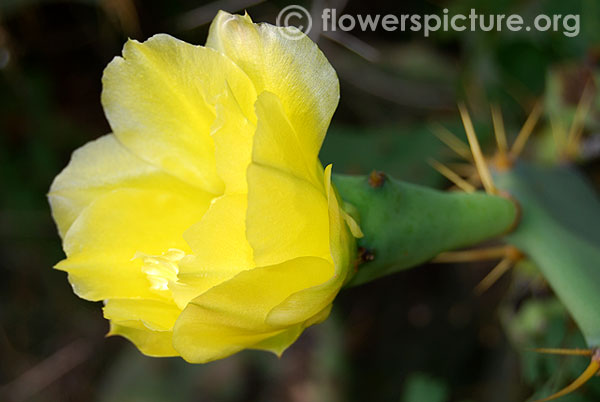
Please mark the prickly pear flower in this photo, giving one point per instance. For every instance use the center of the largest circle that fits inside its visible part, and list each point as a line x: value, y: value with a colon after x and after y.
x: 205, y: 221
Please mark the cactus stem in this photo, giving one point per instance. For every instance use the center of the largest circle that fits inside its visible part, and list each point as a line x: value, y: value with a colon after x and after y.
x: 480, y: 163
x: 526, y: 131
x: 405, y: 225
x: 592, y: 369
x: 452, y: 176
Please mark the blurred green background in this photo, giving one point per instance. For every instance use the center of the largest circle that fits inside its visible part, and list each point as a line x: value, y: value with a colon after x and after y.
x: 419, y: 336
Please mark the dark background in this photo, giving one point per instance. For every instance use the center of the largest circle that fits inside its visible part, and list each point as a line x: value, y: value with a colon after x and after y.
x: 418, y: 336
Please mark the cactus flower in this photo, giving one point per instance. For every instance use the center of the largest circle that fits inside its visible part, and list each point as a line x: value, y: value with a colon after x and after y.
x: 205, y: 221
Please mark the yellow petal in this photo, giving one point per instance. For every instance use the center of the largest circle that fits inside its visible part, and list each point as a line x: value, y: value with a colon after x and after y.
x: 190, y: 286
x: 95, y: 278
x: 102, y: 242
x: 352, y: 225
x: 341, y: 240
x: 159, y: 100
x: 150, y: 343
x: 277, y: 144
x: 97, y: 168
x: 279, y: 343
x: 219, y: 239
x: 153, y: 314
x: 320, y: 317
x: 308, y: 302
x: 220, y: 249
x: 294, y: 70
x: 233, y: 135
x: 231, y: 316
x: 202, y: 182
x: 287, y: 217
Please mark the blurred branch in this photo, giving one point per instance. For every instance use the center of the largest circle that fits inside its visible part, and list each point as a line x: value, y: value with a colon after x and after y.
x: 205, y: 14
x: 373, y: 80
x: 125, y: 14
x: 354, y: 44
x: 316, y: 12
x: 46, y: 372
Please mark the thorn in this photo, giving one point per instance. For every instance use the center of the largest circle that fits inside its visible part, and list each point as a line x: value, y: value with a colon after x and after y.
x: 564, y: 352
x: 474, y: 179
x: 492, y: 277
x: 463, y: 169
x: 452, y: 176
x: 451, y: 141
x: 560, y: 136
x: 514, y: 254
x: 592, y: 369
x: 526, y: 130
x: 484, y: 254
x: 377, y: 179
x: 499, y: 131
x: 577, y: 126
x: 484, y: 173
x: 511, y: 256
x: 501, y: 160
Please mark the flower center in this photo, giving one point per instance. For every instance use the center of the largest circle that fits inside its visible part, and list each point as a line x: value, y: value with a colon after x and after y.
x: 162, y: 269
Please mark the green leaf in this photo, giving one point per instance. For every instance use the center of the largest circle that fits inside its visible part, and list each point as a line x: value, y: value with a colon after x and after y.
x: 560, y: 232
x: 424, y: 388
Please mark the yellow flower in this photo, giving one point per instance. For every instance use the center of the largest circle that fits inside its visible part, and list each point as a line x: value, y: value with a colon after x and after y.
x: 206, y: 222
